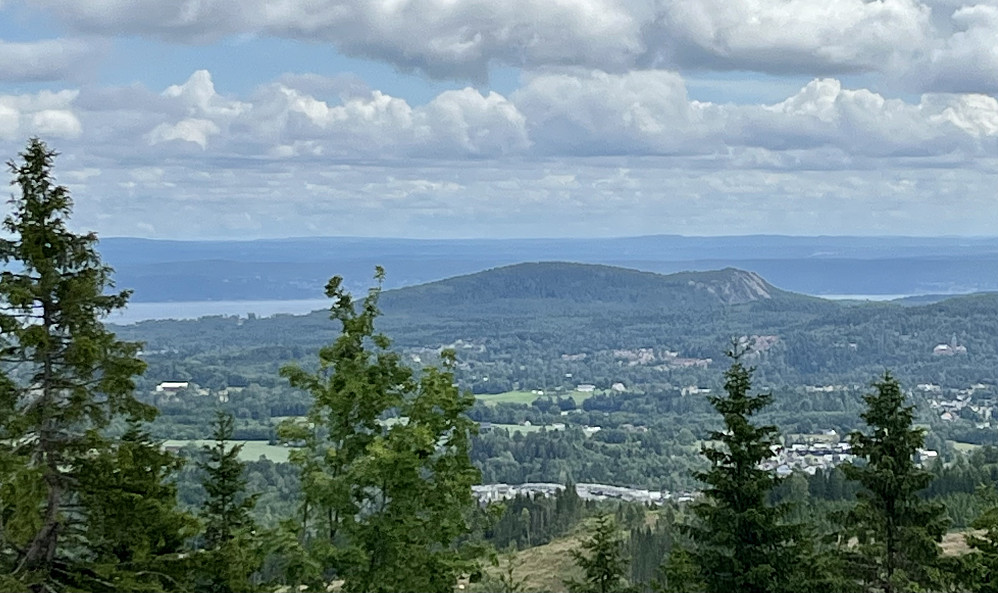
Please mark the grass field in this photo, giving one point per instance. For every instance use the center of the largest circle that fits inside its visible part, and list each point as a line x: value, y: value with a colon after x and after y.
x: 964, y: 447
x: 527, y: 397
x: 955, y: 543
x: 510, y: 397
x: 252, y: 450
x: 544, y: 568
x: 523, y: 429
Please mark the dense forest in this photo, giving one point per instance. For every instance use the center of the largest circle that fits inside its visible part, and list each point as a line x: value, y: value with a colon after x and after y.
x: 618, y: 382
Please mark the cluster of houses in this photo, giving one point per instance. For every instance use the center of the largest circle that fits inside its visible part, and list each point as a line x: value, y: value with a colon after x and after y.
x: 809, y: 457
x: 664, y: 359
x: 824, y: 454
x: 951, y: 349
x: 949, y: 404
x: 487, y: 493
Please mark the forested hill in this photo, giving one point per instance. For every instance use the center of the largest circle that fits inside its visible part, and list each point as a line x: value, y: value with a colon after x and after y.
x: 558, y: 286
x: 523, y: 316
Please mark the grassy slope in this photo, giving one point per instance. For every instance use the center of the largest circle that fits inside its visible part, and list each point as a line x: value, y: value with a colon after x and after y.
x: 544, y: 568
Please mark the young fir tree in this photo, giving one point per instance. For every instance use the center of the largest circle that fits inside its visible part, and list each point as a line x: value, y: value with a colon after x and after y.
x: 603, y: 560
x: 677, y: 573
x: 898, y: 532
x: 739, y: 541
x: 134, y: 533
x: 978, y: 571
x: 507, y: 580
x: 231, y: 550
x: 386, y: 472
x: 63, y: 378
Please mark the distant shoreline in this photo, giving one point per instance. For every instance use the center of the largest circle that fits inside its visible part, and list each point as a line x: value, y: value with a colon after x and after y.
x: 180, y: 310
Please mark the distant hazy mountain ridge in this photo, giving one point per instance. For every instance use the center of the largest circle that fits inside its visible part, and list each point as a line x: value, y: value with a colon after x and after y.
x: 285, y: 269
x: 570, y: 287
x: 524, y: 316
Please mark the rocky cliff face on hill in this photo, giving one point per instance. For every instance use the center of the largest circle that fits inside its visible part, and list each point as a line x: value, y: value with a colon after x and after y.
x: 733, y: 287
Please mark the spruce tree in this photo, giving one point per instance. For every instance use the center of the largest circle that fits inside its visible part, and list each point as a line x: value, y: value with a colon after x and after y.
x: 739, y: 541
x: 231, y: 552
x: 63, y: 377
x: 508, y: 581
x: 898, y: 531
x: 135, y: 535
x: 603, y: 559
x: 385, y: 466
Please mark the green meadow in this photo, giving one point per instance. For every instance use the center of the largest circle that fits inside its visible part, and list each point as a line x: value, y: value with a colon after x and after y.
x: 251, y: 451
x: 527, y: 397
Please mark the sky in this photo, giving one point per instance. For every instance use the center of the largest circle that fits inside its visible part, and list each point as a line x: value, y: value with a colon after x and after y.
x: 240, y: 119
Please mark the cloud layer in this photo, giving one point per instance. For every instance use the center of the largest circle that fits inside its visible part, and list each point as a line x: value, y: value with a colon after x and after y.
x: 565, y: 151
x: 885, y: 119
x: 902, y: 39
x: 565, y: 114
x: 50, y: 59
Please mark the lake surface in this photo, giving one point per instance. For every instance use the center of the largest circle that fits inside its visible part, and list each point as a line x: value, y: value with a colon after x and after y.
x: 136, y: 312
x: 865, y: 297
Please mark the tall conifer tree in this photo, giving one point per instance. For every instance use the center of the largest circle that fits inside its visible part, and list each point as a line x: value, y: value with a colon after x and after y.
x: 603, y: 559
x: 63, y: 377
x: 133, y: 533
x: 897, y: 530
x: 231, y: 548
x: 739, y: 541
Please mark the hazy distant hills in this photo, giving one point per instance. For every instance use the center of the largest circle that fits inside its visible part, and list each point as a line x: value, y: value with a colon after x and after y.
x: 525, y: 314
x: 298, y: 268
x: 561, y: 287
x: 544, y: 297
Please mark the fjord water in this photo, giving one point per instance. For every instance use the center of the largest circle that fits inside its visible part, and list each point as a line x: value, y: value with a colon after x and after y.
x: 136, y: 312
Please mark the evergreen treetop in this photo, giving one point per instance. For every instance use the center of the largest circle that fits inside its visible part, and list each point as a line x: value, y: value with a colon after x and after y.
x: 385, y: 465
x: 740, y: 542
x: 897, y: 530
x: 63, y: 375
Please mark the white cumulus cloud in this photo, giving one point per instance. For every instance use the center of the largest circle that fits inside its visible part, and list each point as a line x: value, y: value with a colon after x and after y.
x: 573, y: 150
x: 967, y: 59
x: 45, y: 113
x: 789, y: 35
x: 197, y: 131
x: 600, y: 113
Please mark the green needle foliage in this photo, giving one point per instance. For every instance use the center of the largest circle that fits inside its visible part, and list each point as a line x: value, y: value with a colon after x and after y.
x: 897, y: 530
x: 385, y: 466
x: 740, y: 542
x: 979, y: 570
x: 63, y: 378
x: 232, y: 552
x: 603, y: 560
x: 508, y: 581
x: 134, y: 533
